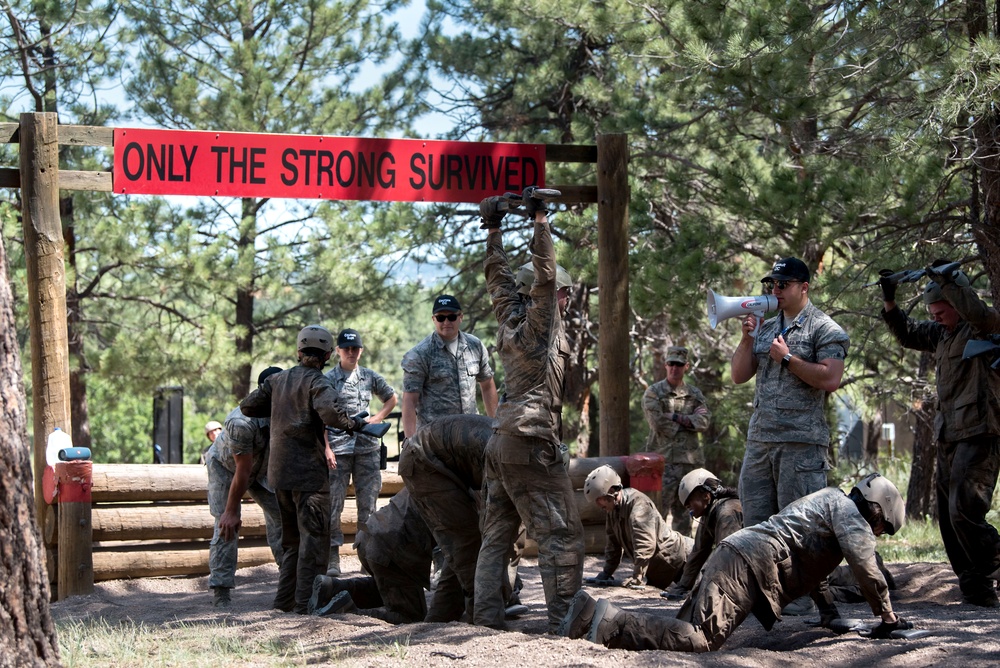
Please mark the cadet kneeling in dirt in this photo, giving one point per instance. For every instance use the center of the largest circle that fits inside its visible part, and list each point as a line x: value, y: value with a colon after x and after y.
x: 761, y: 569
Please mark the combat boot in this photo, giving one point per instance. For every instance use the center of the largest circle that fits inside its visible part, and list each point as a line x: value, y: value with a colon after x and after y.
x: 333, y: 565
x: 607, y: 623
x: 340, y: 604
x: 579, y: 616
x: 221, y: 597
x: 323, y: 591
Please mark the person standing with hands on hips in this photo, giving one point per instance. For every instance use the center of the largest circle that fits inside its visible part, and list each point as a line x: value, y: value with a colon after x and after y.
x: 798, y: 358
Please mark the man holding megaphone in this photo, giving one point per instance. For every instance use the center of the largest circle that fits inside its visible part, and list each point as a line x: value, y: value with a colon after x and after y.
x: 798, y: 358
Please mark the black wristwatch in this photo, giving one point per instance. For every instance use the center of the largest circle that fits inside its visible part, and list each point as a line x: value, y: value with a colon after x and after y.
x: 786, y: 360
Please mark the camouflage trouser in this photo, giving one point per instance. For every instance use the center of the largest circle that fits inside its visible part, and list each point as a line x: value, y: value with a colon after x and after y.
x: 305, y: 537
x: 222, y: 554
x: 680, y: 518
x: 449, y: 511
x: 526, y: 481
x: 966, y: 477
x: 775, y: 474
x: 367, y: 484
x: 399, y: 591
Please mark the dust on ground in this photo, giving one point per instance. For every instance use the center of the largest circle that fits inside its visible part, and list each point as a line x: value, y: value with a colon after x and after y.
x: 927, y: 595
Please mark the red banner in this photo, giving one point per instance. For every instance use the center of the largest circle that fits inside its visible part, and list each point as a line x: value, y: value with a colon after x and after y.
x: 234, y: 164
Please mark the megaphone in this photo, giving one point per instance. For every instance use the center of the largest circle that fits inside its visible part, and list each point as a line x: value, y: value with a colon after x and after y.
x: 720, y: 308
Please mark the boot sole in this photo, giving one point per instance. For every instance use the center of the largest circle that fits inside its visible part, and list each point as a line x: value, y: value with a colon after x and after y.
x: 576, y: 606
x: 595, y: 625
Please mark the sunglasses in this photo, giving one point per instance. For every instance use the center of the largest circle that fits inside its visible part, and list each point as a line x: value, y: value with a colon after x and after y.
x: 451, y: 317
x: 781, y: 285
x: 675, y: 363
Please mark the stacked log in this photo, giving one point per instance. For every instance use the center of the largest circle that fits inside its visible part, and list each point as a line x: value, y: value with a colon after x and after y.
x: 153, y: 519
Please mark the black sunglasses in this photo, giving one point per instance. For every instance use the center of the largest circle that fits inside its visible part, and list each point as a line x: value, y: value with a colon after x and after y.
x: 770, y: 284
x: 675, y: 363
x: 451, y: 317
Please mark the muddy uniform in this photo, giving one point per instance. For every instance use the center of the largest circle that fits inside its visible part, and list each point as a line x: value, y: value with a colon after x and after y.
x: 675, y: 416
x: 442, y: 467
x: 761, y: 569
x: 299, y: 402
x: 967, y: 427
x: 445, y: 382
x: 788, y: 437
x: 526, y: 478
x: 634, y: 526
x: 357, y: 454
x: 723, y: 518
x: 240, y: 436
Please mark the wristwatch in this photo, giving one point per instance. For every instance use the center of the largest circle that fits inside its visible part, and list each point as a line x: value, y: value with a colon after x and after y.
x: 786, y: 360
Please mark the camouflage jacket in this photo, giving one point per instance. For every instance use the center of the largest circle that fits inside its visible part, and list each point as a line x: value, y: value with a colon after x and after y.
x: 724, y: 518
x: 242, y: 435
x: 794, y: 550
x: 675, y: 441
x: 299, y: 401
x: 634, y: 526
x: 786, y: 408
x: 354, y: 393
x: 446, y: 383
x: 968, y: 401
x: 531, y: 341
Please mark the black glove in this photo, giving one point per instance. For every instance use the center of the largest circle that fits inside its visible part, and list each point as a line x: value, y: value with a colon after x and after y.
x: 493, y: 209
x: 885, y: 629
x: 532, y: 204
x: 888, y: 285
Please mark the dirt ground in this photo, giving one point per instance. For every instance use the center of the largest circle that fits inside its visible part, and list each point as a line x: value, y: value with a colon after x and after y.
x: 927, y: 595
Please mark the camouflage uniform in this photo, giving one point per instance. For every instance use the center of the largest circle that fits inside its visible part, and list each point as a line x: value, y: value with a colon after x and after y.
x: 526, y: 478
x: 675, y: 416
x: 723, y: 518
x: 446, y: 383
x: 299, y: 401
x: 761, y: 569
x: 240, y: 436
x: 634, y: 526
x: 788, y: 438
x: 442, y: 468
x: 357, y: 454
x: 967, y: 427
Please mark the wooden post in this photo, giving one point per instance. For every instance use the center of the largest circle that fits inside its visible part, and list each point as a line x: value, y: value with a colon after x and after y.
x: 43, y: 250
x: 612, y: 292
x: 76, y: 537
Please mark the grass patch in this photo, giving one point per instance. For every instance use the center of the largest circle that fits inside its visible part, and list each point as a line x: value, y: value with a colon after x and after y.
x: 96, y: 642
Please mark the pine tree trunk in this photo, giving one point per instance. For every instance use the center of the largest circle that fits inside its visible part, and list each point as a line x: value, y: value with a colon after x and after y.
x: 27, y: 633
x: 920, y: 498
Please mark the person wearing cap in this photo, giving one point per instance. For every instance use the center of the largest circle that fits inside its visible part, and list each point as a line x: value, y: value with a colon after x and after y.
x: 441, y: 372
x: 676, y: 412
x: 760, y: 569
x: 526, y: 478
x: 720, y: 513
x: 967, y: 425
x: 634, y: 527
x: 301, y: 403
x: 355, y: 455
x: 797, y: 358
x: 237, y: 465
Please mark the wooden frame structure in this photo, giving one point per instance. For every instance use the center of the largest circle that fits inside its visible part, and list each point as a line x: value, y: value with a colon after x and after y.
x: 40, y: 180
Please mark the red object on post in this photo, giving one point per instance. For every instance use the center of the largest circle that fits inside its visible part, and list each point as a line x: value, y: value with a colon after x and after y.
x: 645, y: 471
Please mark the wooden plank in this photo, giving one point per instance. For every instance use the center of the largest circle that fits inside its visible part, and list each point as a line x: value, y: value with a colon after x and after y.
x: 575, y: 194
x: 9, y: 133
x: 86, y: 135
x: 78, y: 180
x: 10, y: 177
x: 570, y: 153
x: 126, y: 564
